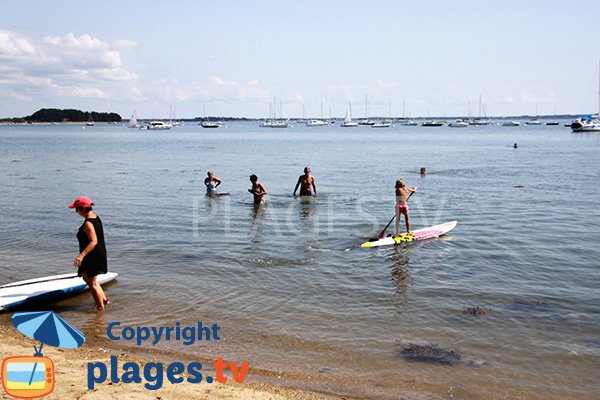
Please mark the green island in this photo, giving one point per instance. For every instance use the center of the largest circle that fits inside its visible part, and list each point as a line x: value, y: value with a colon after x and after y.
x: 46, y: 115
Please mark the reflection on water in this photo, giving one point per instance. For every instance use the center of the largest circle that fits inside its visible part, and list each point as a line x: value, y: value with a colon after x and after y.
x: 288, y: 281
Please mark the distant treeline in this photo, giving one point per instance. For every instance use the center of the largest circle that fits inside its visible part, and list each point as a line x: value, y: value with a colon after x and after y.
x: 70, y: 115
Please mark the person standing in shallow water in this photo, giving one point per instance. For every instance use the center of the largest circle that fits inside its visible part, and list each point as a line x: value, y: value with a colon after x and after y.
x: 305, y: 182
x: 212, y: 183
x: 92, y: 260
x: 258, y: 190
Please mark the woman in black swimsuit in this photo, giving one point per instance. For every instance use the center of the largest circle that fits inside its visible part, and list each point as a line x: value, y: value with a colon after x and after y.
x: 91, y: 260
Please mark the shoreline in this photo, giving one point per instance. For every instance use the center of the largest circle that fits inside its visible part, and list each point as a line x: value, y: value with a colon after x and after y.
x: 71, y: 376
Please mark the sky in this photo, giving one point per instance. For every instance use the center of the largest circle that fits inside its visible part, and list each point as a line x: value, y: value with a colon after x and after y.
x: 233, y: 58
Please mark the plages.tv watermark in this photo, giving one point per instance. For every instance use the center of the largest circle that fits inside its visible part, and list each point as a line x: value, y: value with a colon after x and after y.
x: 154, y: 374
x: 301, y: 214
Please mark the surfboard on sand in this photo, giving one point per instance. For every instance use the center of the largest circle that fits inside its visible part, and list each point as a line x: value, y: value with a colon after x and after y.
x: 46, y: 288
x: 419, y: 234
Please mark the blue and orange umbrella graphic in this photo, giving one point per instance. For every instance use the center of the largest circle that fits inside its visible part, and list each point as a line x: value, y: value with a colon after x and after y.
x: 49, y: 329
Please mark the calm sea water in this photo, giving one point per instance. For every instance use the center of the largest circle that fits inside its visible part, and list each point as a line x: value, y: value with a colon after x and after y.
x: 292, y: 290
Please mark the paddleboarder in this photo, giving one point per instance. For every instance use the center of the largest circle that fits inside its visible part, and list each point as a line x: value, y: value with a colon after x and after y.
x: 92, y: 259
x: 305, y: 182
x: 212, y: 183
x: 258, y: 190
x: 402, y: 193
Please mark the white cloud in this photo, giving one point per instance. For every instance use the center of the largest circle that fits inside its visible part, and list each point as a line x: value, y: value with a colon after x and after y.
x: 61, y: 70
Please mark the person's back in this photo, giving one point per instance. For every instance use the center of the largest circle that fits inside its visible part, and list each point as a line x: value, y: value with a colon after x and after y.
x: 402, y: 195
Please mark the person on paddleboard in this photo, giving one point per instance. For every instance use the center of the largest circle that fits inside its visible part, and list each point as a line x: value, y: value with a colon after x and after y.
x: 258, y: 190
x: 402, y: 193
x: 212, y: 183
x: 91, y: 260
x: 305, y: 182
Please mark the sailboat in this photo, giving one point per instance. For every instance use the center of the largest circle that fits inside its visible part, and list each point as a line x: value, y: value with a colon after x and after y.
x: 133, y: 122
x: 207, y: 123
x: 384, y: 123
x: 90, y: 121
x: 588, y: 123
x: 366, y: 120
x: 481, y: 120
x: 348, y: 123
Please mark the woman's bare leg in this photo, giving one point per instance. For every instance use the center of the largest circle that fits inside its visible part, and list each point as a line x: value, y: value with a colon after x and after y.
x: 97, y: 292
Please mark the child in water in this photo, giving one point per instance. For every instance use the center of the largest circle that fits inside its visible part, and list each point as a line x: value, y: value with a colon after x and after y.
x: 402, y: 194
x: 258, y: 190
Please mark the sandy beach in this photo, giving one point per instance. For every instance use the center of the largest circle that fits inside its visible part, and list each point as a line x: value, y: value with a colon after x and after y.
x: 71, y: 381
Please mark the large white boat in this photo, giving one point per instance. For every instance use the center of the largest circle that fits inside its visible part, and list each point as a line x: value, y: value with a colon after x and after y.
x: 588, y: 123
x: 158, y: 126
x: 348, y: 123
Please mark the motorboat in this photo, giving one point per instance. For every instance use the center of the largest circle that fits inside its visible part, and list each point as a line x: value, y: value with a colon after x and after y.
x: 433, y: 123
x: 511, y: 123
x: 459, y: 123
x: 586, y: 124
x: 210, y: 124
x: 316, y: 122
x: 381, y: 124
x: 158, y: 126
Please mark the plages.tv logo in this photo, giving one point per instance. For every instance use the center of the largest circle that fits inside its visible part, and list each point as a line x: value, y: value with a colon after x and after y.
x: 29, y: 377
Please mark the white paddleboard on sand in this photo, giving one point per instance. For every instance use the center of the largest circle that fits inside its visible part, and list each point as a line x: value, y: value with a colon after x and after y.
x: 419, y: 234
x: 48, y: 287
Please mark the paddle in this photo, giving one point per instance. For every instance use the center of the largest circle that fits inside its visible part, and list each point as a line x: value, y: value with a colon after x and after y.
x: 382, y: 233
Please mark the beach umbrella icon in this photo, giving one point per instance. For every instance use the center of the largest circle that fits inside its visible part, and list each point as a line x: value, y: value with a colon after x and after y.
x: 49, y: 329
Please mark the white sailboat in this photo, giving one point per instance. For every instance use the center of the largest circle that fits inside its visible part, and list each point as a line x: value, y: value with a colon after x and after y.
x: 348, y: 123
x: 133, y: 122
x: 384, y: 123
x: 481, y: 120
x: 207, y: 123
x: 366, y: 120
x: 588, y: 123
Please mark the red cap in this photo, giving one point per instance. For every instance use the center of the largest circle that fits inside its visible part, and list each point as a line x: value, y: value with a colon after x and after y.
x: 81, y: 201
